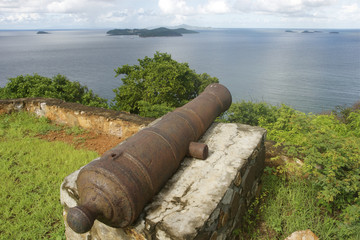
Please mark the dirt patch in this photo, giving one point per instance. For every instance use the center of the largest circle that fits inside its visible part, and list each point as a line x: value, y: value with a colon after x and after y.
x: 97, y: 142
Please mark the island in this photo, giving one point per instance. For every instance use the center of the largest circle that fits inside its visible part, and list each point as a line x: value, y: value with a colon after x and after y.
x: 157, y: 32
x: 42, y: 32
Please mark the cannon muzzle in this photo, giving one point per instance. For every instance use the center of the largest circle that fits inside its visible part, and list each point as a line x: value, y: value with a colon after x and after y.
x: 115, y: 188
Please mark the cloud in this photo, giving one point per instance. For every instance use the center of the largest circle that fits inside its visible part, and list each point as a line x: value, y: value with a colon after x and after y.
x: 157, y: 12
x: 22, y: 6
x: 114, y: 16
x: 65, y: 6
x: 175, y: 7
x: 350, y: 12
x: 79, y: 6
x: 285, y: 7
x: 353, y: 8
x: 20, y: 17
x: 216, y: 6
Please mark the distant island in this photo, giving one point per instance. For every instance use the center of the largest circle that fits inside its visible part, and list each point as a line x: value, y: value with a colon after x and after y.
x: 42, y: 32
x: 308, y: 31
x: 157, y: 32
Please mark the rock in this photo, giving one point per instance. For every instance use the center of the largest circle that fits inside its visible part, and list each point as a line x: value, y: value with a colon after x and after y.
x: 302, y: 235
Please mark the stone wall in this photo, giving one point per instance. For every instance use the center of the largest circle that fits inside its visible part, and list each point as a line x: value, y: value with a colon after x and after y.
x: 205, y: 199
x: 75, y: 114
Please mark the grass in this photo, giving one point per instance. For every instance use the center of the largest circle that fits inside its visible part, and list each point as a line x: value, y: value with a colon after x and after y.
x: 290, y: 204
x: 31, y: 171
x: 75, y: 130
x: 323, y: 194
x: 293, y: 206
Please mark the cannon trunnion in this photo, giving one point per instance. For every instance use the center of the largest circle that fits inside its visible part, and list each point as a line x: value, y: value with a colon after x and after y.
x: 116, y: 188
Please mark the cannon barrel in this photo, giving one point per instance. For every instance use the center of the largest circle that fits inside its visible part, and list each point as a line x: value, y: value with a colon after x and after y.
x: 115, y: 188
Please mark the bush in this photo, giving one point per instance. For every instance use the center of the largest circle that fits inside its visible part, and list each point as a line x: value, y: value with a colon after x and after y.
x: 153, y: 110
x: 250, y: 113
x: 57, y: 87
x: 330, y: 150
x: 328, y: 144
x: 158, y: 81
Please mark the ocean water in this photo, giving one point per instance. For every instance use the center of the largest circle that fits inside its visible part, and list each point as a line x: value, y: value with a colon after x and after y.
x: 313, y: 72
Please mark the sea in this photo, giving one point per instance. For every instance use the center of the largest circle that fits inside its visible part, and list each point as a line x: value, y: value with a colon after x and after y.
x: 312, y: 71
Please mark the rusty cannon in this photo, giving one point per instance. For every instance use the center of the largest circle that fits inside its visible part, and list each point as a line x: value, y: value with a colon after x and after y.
x: 115, y: 188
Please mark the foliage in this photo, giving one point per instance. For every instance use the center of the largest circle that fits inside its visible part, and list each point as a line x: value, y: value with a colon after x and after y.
x: 250, y: 113
x: 158, y: 81
x: 153, y: 111
x: 75, y: 130
x: 343, y: 112
x: 57, y: 87
x: 31, y: 171
x: 290, y: 205
x: 329, y: 146
x: 330, y: 150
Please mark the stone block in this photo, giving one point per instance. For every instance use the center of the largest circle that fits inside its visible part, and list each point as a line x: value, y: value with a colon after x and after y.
x: 202, y: 200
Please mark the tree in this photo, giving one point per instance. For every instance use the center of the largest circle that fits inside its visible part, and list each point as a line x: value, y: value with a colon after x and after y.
x: 158, y: 81
x: 58, y: 87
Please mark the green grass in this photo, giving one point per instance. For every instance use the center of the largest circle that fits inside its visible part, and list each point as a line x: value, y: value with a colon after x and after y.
x: 75, y: 130
x: 287, y: 205
x: 327, y: 200
x: 293, y: 206
x: 31, y: 171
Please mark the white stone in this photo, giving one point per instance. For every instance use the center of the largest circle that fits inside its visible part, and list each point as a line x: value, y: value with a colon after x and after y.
x: 192, y: 196
x: 302, y: 235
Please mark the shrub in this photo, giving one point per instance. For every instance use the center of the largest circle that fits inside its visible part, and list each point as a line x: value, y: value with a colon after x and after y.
x: 250, y: 113
x: 153, y: 110
x: 158, y: 81
x: 57, y: 87
x: 328, y: 144
x: 329, y: 147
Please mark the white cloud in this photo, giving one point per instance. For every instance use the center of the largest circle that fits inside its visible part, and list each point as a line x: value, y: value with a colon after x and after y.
x: 216, y: 6
x: 282, y: 6
x: 20, y: 17
x: 353, y: 8
x: 22, y: 6
x: 114, y: 17
x: 350, y: 13
x: 64, y: 6
x: 145, y: 13
x: 78, y: 6
x: 175, y: 7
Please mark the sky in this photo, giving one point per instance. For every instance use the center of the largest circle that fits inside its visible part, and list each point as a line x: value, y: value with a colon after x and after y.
x: 75, y: 14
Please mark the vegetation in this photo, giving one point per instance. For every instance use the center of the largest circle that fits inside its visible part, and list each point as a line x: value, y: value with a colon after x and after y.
x: 154, y: 87
x: 57, y: 87
x: 159, y: 82
x: 329, y: 147
x: 31, y: 171
x: 157, y: 32
x: 322, y: 193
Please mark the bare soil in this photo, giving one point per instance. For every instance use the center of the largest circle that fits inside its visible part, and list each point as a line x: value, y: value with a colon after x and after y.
x: 100, y: 143
x: 89, y: 140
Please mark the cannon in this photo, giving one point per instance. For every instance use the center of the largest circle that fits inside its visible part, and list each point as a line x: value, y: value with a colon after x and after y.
x: 115, y: 188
